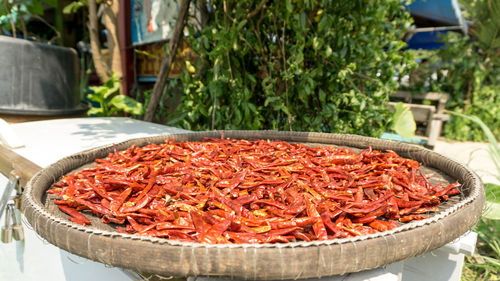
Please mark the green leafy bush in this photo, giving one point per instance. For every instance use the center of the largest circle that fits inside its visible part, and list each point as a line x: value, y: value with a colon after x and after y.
x: 110, y: 102
x: 485, y: 104
x: 303, y: 65
x: 15, y: 16
x: 492, y: 190
x: 468, y: 68
x: 485, y: 264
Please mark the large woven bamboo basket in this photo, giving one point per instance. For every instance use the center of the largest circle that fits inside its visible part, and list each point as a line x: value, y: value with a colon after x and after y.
x: 100, y: 242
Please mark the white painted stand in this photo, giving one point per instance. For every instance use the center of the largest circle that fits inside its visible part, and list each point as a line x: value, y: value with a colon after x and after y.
x: 444, y: 263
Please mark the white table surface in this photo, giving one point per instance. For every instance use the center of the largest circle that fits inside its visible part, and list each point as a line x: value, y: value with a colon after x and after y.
x: 45, y: 142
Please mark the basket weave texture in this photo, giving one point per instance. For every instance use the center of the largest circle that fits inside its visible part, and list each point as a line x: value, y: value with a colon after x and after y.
x: 280, y: 261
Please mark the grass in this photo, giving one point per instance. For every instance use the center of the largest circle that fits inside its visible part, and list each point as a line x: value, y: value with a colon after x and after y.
x: 485, y: 263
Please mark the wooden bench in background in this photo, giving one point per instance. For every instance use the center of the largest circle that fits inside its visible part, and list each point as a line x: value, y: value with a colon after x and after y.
x: 430, y: 115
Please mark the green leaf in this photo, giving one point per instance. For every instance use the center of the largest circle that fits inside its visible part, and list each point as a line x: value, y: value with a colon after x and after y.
x: 95, y: 97
x: 3, y: 12
x: 323, y: 23
x: 285, y: 109
x: 237, y: 117
x: 363, y: 105
x: 95, y: 111
x: 315, y: 43
x: 343, y: 51
x: 35, y: 7
x: 322, y: 96
x: 242, y: 24
x: 289, y: 7
x: 99, y: 90
x: 492, y: 192
x: 51, y: 3
x: 252, y: 107
x: 270, y: 100
x: 127, y: 104
x: 404, y: 123
x: 113, y: 89
x: 492, y: 210
x: 74, y: 6
x: 328, y: 51
x: 112, y: 111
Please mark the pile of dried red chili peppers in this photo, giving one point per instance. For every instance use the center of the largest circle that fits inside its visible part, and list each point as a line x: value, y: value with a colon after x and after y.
x: 240, y: 191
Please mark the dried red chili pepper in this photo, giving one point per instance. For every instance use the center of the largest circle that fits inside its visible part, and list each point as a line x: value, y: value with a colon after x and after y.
x: 241, y: 191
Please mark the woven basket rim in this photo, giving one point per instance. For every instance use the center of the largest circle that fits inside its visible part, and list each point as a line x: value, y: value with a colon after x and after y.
x: 37, y: 210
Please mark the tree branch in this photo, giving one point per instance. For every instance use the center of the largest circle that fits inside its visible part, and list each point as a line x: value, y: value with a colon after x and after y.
x: 58, y: 34
x: 21, y: 19
x: 111, y: 22
x: 167, y: 62
x: 202, y: 6
x: 11, y: 20
x: 257, y: 9
x: 99, y: 63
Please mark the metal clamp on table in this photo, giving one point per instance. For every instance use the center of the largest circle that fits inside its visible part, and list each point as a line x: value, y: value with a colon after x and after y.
x: 11, y: 205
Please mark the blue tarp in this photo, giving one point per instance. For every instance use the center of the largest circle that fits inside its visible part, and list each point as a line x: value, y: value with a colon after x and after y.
x: 438, y: 13
x: 446, y: 12
x: 426, y: 40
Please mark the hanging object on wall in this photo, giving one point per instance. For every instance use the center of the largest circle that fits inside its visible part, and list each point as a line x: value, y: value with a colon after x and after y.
x: 152, y: 20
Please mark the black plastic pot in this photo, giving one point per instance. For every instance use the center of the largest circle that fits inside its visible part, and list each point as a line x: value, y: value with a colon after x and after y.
x: 38, y: 79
